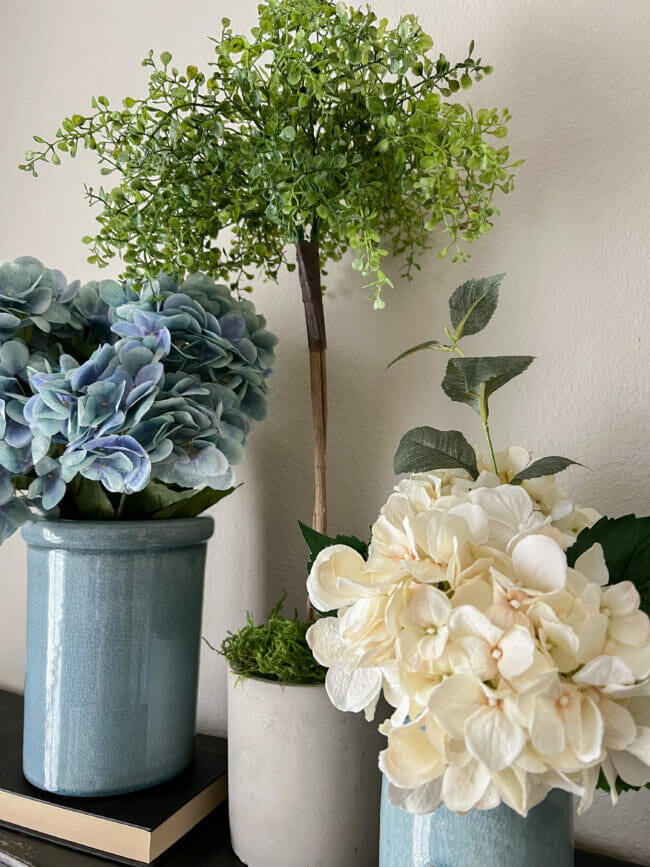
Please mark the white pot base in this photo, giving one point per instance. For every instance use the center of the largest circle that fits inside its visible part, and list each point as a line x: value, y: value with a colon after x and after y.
x: 304, y: 786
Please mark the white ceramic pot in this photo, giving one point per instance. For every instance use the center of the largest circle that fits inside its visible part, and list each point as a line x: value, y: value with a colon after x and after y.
x: 303, y: 783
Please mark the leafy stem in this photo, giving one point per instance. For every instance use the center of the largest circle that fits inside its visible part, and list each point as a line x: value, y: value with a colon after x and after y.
x: 483, y: 411
x: 482, y: 395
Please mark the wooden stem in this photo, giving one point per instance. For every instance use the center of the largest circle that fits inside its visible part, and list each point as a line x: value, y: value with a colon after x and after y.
x: 308, y: 259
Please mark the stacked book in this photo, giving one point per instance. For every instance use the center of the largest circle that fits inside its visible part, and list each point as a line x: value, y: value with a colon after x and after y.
x: 136, y: 828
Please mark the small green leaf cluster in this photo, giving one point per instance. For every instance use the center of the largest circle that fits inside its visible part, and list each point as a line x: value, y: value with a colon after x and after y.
x: 324, y: 123
x: 468, y: 380
x: 276, y: 650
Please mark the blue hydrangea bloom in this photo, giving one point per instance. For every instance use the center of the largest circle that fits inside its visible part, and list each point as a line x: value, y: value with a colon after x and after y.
x: 48, y: 485
x: 122, y: 384
x: 120, y: 463
x: 13, y: 515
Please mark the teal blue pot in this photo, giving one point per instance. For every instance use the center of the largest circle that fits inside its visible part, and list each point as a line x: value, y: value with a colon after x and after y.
x: 113, y: 641
x: 481, y: 838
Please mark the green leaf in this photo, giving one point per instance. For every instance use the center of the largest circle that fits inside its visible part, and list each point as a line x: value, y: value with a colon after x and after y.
x: 465, y: 377
x: 424, y: 449
x: 317, y: 542
x: 86, y: 500
x: 471, y: 306
x: 288, y: 133
x: 156, y: 496
x: 626, y: 546
x: 544, y: 467
x: 190, y: 507
x: 428, y: 344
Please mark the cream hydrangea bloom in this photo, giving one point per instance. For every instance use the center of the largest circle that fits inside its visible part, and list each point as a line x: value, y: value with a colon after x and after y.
x: 510, y: 673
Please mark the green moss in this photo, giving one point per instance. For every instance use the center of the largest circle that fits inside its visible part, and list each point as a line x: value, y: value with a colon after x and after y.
x: 276, y: 650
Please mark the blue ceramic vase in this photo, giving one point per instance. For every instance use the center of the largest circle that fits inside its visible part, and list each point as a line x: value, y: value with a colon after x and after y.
x: 113, y: 641
x: 481, y: 838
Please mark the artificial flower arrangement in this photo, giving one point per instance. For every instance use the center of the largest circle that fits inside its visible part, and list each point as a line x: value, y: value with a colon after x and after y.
x: 119, y: 404
x: 507, y: 626
x: 236, y: 169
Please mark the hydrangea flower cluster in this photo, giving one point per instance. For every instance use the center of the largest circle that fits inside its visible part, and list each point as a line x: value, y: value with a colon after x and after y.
x: 510, y: 672
x: 120, y: 387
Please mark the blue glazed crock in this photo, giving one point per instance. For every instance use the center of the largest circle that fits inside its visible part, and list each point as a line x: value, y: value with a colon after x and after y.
x: 481, y: 838
x: 113, y: 641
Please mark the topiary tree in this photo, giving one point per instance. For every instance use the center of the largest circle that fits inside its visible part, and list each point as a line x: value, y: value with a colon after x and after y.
x: 323, y: 130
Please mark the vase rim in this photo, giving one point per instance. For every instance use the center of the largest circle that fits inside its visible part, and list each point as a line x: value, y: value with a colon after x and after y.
x: 118, y: 535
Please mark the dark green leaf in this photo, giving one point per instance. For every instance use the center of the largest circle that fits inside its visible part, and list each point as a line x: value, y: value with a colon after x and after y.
x: 86, y: 500
x: 472, y: 304
x: 626, y: 546
x: 428, y: 344
x: 544, y: 467
x: 190, y: 507
x: 424, y: 449
x: 156, y: 496
x: 317, y: 542
x: 466, y: 376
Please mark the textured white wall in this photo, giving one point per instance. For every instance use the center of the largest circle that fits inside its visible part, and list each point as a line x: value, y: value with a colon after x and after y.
x: 572, y: 238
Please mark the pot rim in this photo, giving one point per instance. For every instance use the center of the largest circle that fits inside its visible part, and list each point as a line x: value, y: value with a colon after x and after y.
x: 118, y: 536
x: 273, y: 683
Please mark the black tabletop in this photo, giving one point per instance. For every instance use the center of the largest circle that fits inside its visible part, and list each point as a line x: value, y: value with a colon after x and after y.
x: 208, y: 845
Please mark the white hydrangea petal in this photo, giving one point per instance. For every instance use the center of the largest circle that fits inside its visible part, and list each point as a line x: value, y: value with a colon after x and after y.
x: 637, y: 659
x: 464, y: 786
x: 518, y: 649
x: 429, y: 606
x: 592, y: 565
x: 605, y: 670
x: 455, y: 700
x: 631, y: 629
x: 490, y: 799
x: 473, y: 654
x: 592, y: 634
x: 352, y: 689
x: 432, y: 646
x: 324, y: 640
x: 589, y: 782
x: 546, y: 728
x: 640, y: 746
x: 467, y: 620
x: 634, y: 767
x: 476, y: 592
x: 610, y: 775
x: 332, y: 562
x: 419, y: 801
x: 585, y: 730
x: 540, y: 564
x: 476, y: 519
x: 508, y: 504
x: 620, y: 725
x: 444, y: 533
x: 511, y: 783
x: 493, y: 738
x: 616, y: 690
x: 621, y: 599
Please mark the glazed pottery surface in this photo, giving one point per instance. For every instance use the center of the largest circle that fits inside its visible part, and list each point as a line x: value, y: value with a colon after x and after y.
x: 303, y: 782
x: 113, y: 640
x: 481, y: 838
